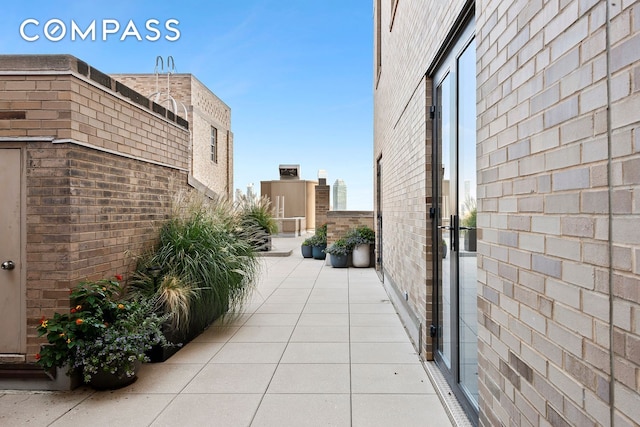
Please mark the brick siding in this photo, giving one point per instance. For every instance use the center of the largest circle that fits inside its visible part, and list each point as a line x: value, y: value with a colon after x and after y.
x: 543, y: 139
x: 101, y: 168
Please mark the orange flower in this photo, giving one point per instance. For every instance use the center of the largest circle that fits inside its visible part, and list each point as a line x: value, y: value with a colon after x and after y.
x: 79, y: 321
x: 43, y: 322
x: 62, y: 334
x: 78, y: 307
x: 120, y: 306
x: 38, y: 356
x: 68, y: 340
x: 73, y: 310
x: 118, y: 276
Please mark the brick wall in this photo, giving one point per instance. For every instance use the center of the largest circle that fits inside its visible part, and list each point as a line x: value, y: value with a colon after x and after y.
x: 543, y: 146
x: 86, y: 209
x: 340, y: 222
x: 546, y: 280
x: 322, y: 191
x: 101, y: 167
x: 204, y: 111
x: 403, y: 142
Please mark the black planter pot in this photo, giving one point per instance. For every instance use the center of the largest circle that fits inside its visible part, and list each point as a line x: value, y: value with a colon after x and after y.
x: 307, y: 251
x: 318, y: 251
x: 339, y: 261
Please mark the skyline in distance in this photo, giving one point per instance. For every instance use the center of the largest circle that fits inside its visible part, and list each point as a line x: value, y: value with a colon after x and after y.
x: 296, y: 75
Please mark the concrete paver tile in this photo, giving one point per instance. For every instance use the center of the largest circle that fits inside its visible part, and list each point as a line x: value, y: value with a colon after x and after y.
x: 309, y: 410
x: 228, y: 410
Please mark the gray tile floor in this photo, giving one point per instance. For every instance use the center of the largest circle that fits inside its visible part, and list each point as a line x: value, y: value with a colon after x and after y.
x: 314, y: 346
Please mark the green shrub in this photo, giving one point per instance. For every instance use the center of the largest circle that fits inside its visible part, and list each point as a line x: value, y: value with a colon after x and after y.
x: 361, y: 235
x: 339, y: 247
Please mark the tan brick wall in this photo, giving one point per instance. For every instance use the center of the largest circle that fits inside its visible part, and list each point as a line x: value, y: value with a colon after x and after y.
x: 100, y: 173
x: 85, y: 210
x: 204, y: 111
x: 340, y: 222
x: 545, y: 279
x: 543, y: 207
x: 322, y: 192
x: 402, y: 140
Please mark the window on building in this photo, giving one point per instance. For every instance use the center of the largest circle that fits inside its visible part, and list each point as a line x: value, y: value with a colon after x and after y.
x: 214, y: 145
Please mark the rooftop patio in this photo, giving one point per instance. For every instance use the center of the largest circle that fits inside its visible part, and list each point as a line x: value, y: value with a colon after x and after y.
x: 314, y: 346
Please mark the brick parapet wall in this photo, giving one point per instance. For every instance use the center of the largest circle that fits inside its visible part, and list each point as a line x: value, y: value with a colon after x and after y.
x: 340, y: 222
x: 88, y: 214
x: 50, y: 96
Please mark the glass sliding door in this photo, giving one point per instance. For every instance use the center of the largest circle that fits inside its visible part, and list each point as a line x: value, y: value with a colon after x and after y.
x: 454, y: 218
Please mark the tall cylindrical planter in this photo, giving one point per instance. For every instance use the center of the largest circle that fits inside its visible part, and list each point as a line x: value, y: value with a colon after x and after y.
x: 360, y: 256
x: 318, y: 251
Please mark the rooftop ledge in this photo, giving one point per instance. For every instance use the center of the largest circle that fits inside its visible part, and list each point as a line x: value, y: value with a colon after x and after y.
x: 19, y: 64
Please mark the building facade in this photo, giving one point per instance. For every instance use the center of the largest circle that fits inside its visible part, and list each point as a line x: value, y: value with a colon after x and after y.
x: 507, y: 155
x: 339, y: 195
x: 209, y: 118
x: 90, y: 167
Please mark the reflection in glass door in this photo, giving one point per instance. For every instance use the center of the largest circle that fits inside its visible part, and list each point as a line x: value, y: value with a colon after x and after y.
x: 455, y: 218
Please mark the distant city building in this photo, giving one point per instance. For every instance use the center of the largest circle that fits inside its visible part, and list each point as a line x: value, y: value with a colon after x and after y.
x: 251, y: 192
x: 239, y: 195
x: 339, y: 195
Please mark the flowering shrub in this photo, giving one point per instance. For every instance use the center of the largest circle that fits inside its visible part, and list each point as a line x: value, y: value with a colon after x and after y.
x: 101, y: 332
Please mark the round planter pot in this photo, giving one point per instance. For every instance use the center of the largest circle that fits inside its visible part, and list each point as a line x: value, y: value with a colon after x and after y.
x: 318, y: 252
x: 360, y: 256
x: 102, y: 380
x: 307, y: 251
x: 339, y: 261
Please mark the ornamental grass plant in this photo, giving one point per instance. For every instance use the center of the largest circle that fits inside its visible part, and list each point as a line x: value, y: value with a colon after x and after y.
x: 203, y: 264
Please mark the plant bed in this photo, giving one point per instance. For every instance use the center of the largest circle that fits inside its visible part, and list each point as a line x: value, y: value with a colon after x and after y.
x: 204, y: 264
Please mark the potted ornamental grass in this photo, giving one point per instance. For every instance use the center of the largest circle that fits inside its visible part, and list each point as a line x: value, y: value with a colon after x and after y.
x: 103, y: 337
x: 339, y: 253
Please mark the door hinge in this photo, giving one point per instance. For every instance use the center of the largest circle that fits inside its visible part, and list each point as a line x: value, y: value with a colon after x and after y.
x: 432, y: 112
x: 433, y: 330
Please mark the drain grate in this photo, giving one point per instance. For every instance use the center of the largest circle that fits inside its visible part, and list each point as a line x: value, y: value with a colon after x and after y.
x: 454, y: 410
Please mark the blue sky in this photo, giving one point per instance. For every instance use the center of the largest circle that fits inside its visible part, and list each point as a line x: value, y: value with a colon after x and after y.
x: 297, y: 74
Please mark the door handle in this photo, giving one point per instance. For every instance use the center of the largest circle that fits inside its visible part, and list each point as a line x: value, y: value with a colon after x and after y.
x: 8, y: 265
